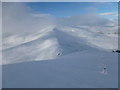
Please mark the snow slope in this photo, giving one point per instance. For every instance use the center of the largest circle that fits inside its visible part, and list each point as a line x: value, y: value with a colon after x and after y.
x: 43, y: 51
x: 52, y: 42
x: 77, y: 70
x: 61, y: 57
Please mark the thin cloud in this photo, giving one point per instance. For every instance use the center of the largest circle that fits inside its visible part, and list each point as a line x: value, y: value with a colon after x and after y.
x: 109, y: 13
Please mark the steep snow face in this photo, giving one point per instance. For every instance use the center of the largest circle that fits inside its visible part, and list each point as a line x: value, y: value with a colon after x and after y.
x: 49, y: 43
x: 41, y: 47
x: 12, y: 40
x: 95, y: 37
x: 52, y: 42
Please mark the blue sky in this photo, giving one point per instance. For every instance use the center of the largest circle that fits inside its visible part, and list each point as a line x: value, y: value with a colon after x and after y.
x: 65, y: 9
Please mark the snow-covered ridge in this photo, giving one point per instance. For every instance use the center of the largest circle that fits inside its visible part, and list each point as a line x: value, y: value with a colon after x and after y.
x: 62, y: 57
x: 52, y: 42
x: 29, y: 36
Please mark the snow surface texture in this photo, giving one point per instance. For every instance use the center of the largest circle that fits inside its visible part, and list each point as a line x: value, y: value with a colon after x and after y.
x: 76, y: 70
x: 40, y: 51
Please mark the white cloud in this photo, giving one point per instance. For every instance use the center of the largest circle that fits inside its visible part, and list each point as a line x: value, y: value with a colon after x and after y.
x: 109, y: 13
x: 17, y: 18
x: 90, y: 19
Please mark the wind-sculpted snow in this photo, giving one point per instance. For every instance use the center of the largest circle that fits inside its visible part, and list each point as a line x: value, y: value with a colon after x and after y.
x: 96, y: 38
x: 52, y: 42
